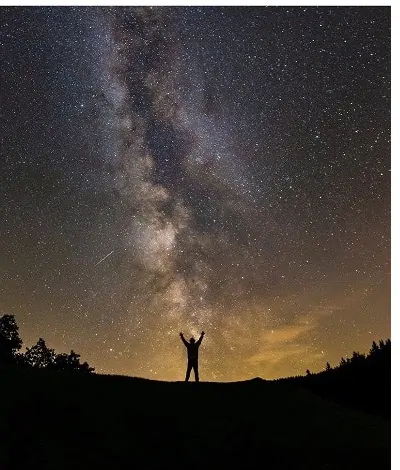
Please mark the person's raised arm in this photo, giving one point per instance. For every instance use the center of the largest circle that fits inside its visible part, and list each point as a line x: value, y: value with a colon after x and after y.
x: 201, y: 338
x: 183, y: 339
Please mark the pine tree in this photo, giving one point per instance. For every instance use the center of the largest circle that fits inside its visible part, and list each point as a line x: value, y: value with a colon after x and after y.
x: 374, y: 349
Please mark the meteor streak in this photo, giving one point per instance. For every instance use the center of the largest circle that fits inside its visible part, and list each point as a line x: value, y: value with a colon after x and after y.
x: 102, y: 259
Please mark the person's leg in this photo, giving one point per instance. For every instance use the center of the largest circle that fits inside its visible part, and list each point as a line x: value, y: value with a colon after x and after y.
x: 188, y: 370
x: 196, y: 370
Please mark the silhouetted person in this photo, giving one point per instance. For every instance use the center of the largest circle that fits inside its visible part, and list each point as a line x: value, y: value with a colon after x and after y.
x: 192, y: 347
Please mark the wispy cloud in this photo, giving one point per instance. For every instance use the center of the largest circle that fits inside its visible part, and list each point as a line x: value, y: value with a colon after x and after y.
x: 287, y: 341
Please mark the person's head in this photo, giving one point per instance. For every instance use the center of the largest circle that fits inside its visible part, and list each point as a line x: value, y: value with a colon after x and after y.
x: 192, y: 340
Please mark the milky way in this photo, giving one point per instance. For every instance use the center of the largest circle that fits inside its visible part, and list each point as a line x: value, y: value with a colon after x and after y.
x: 189, y: 169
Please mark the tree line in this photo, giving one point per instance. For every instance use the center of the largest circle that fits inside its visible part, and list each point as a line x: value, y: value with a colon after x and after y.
x: 361, y: 381
x: 39, y: 356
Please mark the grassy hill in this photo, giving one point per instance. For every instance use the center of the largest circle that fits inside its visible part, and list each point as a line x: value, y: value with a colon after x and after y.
x: 58, y: 421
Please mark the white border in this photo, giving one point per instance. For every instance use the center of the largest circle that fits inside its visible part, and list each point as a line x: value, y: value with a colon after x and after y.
x: 395, y: 195
x: 321, y: 3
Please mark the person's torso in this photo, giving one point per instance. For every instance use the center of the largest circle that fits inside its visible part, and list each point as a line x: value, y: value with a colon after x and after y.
x: 192, y: 351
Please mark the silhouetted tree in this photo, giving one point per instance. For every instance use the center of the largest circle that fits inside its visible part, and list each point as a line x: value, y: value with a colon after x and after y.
x: 71, y: 362
x: 362, y: 382
x: 357, y: 358
x: 374, y: 349
x: 10, y: 342
x: 39, y: 355
x: 344, y: 362
x: 377, y: 351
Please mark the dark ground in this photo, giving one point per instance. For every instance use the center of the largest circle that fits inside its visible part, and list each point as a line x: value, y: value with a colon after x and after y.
x: 56, y: 421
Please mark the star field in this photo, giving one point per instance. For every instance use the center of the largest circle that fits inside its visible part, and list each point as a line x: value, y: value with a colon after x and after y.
x: 224, y: 169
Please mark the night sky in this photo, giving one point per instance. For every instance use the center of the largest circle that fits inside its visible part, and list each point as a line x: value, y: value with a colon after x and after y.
x: 187, y: 169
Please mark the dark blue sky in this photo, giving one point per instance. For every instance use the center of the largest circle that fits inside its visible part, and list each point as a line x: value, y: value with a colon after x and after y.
x: 235, y: 161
